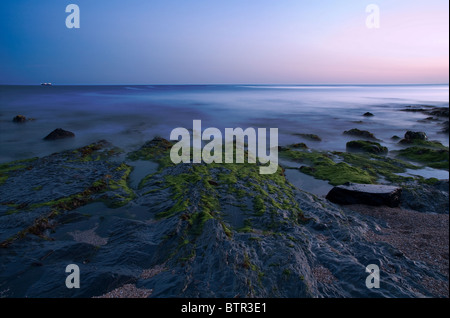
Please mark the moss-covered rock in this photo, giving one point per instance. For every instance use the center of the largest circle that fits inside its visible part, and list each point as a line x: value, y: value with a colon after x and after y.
x: 434, y: 158
x: 360, y: 133
x: 423, y: 143
x: 311, y: 137
x: 321, y: 166
x: 366, y: 146
x: 157, y: 149
x: 299, y: 145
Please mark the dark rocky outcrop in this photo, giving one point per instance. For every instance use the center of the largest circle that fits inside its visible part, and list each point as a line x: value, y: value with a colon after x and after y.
x: 311, y: 137
x: 301, y: 145
x: 186, y: 230
x: 360, y: 133
x: 59, y: 134
x: 439, y: 112
x: 445, y: 127
x: 427, y: 197
x: 370, y: 194
x: 415, y: 135
x: 19, y: 119
x: 366, y: 146
x: 368, y: 114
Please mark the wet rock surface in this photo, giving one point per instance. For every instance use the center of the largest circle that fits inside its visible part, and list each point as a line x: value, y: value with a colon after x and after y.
x: 366, y: 146
x: 427, y: 198
x: 187, y: 230
x: 19, y: 119
x: 360, y: 133
x: 371, y: 194
x: 59, y: 133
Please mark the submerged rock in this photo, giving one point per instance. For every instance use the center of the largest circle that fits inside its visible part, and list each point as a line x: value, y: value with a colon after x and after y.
x: 368, y: 114
x: 370, y: 194
x: 311, y: 137
x: 440, y: 112
x: 19, y: 119
x: 299, y: 145
x: 360, y: 133
x: 59, y: 134
x: 445, y: 125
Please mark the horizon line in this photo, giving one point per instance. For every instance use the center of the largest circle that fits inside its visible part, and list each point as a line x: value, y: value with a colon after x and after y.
x: 235, y: 84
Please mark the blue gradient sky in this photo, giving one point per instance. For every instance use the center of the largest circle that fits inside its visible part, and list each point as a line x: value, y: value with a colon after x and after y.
x: 224, y: 42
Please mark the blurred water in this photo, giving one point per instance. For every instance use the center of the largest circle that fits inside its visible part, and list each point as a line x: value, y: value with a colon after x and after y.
x: 128, y: 116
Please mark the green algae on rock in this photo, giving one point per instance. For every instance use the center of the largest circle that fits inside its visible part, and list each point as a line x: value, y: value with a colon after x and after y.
x: 31, y: 186
x: 366, y: 146
x: 360, y: 133
x: 7, y: 168
x: 342, y: 167
x: 434, y: 158
x: 232, y: 233
x: 311, y: 137
x: 379, y: 166
x: 321, y: 166
x: 156, y: 149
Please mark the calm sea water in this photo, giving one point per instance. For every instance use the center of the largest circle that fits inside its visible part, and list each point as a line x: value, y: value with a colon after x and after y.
x: 128, y: 116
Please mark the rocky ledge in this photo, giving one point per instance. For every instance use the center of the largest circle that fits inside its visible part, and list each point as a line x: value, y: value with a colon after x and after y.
x: 196, y: 230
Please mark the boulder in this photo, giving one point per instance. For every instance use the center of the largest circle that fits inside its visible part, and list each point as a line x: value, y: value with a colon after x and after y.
x: 360, y: 133
x: 368, y: 114
x: 19, y: 119
x: 59, y: 134
x: 366, y: 146
x: 415, y: 135
x: 370, y: 194
x: 412, y: 137
x: 312, y: 137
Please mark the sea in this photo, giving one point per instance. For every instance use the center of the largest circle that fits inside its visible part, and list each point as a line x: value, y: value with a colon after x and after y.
x: 129, y: 115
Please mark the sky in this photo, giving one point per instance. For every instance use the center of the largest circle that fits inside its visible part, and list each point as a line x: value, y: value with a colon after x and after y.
x: 224, y: 42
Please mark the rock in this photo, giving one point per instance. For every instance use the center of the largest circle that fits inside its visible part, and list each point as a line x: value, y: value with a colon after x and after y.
x: 440, y: 112
x: 415, y: 135
x: 395, y: 137
x: 299, y: 145
x: 259, y: 239
x: 434, y: 158
x: 370, y: 194
x: 360, y: 133
x: 59, y: 134
x: 427, y: 197
x: 368, y: 114
x: 214, y: 183
x: 414, y: 110
x: 445, y: 125
x: 312, y: 137
x: 19, y: 119
x: 366, y: 146
x: 282, y: 148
